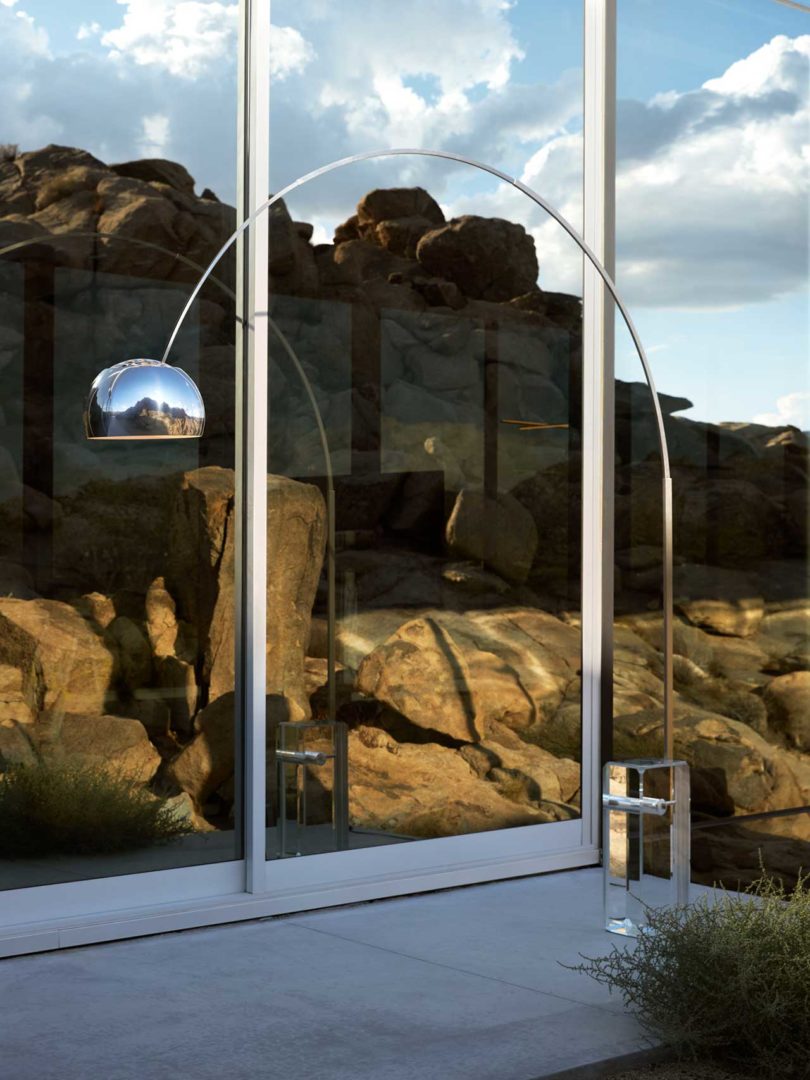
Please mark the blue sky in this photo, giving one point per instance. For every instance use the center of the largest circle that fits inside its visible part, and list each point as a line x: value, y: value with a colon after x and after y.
x: 736, y: 363
x: 712, y: 202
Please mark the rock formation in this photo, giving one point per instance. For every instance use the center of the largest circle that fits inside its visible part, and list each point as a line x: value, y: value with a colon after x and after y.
x: 449, y: 386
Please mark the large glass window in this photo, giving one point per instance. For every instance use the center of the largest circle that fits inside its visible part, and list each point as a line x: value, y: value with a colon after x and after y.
x: 117, y: 182
x: 712, y: 255
x: 428, y: 319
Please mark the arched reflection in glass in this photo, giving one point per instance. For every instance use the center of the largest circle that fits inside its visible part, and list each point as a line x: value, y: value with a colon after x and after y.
x: 446, y: 632
x: 443, y: 643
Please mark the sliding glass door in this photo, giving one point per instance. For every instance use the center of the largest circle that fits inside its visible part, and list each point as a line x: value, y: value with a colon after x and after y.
x: 364, y: 608
x: 424, y: 443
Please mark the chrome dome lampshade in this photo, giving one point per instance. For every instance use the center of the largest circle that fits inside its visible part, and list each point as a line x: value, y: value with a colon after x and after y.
x: 144, y: 399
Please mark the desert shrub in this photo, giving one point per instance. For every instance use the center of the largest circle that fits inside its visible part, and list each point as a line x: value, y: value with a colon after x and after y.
x: 70, y: 809
x: 727, y: 980
x: 8, y: 151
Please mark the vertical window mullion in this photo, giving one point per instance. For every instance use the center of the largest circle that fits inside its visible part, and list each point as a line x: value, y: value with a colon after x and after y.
x: 252, y: 405
x: 598, y: 226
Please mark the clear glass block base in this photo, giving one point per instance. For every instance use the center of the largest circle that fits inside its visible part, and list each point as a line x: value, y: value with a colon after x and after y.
x: 312, y: 784
x: 646, y: 840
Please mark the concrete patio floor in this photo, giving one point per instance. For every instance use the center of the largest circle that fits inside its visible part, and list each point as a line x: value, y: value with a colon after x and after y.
x: 457, y: 985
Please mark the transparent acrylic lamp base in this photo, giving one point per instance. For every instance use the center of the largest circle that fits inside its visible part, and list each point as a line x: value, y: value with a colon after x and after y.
x: 646, y: 840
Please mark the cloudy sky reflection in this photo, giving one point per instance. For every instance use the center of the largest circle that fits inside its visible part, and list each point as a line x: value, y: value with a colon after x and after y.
x: 713, y: 119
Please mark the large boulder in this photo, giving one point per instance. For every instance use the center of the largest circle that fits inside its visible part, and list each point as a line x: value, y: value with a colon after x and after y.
x: 360, y: 633
x: 117, y: 745
x: 488, y: 258
x: 500, y: 532
x: 173, y: 645
x: 785, y: 635
x: 423, y: 674
x: 152, y: 203
x: 460, y: 674
x: 157, y: 170
x: 734, y: 770
x: 719, y: 600
x: 394, y: 219
x: 20, y: 675
x: 387, y: 204
x: 207, y: 762
x: 431, y: 790
x: 401, y: 236
x: 741, y: 659
x: 205, y: 766
x: 125, y: 638
x: 201, y: 577
x: 523, y: 771
x: 787, y: 699
x: 554, y: 504
x: 58, y: 655
x: 725, y: 521
x: 167, y: 635
x: 200, y: 523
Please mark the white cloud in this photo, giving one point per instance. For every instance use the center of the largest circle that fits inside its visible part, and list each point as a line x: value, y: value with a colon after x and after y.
x: 190, y: 38
x: 156, y: 133
x: 289, y: 51
x: 88, y: 30
x: 712, y: 207
x: 184, y: 37
x: 21, y: 34
x: 712, y: 186
x: 460, y: 45
x: 761, y: 72
x: 790, y: 409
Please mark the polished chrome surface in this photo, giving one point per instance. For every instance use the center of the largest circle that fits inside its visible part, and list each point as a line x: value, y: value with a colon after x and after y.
x: 633, y: 805
x: 144, y: 399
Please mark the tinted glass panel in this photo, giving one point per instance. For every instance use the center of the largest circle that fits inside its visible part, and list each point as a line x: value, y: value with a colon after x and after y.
x: 712, y: 238
x: 116, y: 558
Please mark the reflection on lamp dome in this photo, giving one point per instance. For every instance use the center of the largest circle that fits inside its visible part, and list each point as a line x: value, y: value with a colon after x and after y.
x: 144, y: 399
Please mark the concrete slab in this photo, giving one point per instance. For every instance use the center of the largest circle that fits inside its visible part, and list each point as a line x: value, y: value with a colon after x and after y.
x: 522, y: 931
x: 460, y: 984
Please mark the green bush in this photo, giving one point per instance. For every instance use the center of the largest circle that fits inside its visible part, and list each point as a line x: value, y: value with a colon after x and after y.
x: 70, y: 809
x: 727, y: 980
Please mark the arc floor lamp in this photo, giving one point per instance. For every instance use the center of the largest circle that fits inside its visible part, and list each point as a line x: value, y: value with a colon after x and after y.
x: 147, y: 399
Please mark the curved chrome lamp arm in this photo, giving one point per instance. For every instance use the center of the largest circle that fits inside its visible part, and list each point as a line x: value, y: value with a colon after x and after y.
x: 609, y: 285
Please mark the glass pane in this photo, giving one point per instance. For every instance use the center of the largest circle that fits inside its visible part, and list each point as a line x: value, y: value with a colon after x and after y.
x: 638, y: 672
x: 116, y: 558
x: 450, y: 412
x: 712, y: 251
x: 450, y: 385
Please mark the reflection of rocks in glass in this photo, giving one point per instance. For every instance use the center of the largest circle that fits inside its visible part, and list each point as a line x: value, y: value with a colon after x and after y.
x: 461, y: 686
